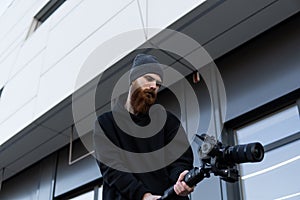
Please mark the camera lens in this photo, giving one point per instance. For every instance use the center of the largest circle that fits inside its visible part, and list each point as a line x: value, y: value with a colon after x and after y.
x: 253, y: 152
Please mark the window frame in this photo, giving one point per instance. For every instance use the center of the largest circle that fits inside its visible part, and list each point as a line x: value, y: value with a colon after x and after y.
x: 234, y: 191
x: 80, y: 145
x: 1, y: 90
x: 92, y: 186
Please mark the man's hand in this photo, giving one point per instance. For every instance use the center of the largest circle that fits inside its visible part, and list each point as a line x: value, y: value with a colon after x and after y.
x: 149, y: 196
x: 181, y: 188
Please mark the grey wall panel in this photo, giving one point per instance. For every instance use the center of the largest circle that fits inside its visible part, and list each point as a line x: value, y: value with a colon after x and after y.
x: 33, y: 183
x: 47, y: 175
x: 263, y: 69
x: 208, y: 188
x: 70, y: 177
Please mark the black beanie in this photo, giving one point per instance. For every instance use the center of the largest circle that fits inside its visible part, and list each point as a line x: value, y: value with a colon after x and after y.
x: 144, y: 64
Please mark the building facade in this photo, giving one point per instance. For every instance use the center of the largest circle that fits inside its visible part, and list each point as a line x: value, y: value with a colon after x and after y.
x: 47, y: 45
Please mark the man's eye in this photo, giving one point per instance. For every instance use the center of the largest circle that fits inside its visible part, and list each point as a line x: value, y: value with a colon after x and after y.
x: 149, y: 78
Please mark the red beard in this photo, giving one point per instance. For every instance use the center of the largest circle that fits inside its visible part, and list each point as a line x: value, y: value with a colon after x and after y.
x: 142, y: 100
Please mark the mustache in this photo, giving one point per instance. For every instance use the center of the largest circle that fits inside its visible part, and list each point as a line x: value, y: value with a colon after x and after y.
x: 142, y: 99
x: 150, y: 93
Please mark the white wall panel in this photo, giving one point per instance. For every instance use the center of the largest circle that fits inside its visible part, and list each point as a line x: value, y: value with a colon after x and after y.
x: 32, y: 47
x: 57, y: 83
x: 14, y: 46
x: 13, y: 15
x: 22, y: 17
x: 66, y: 71
x: 78, y: 25
x: 16, y: 12
x: 17, y: 121
x: 163, y: 13
x: 64, y: 10
x: 7, y: 46
x: 6, y: 66
x: 21, y: 89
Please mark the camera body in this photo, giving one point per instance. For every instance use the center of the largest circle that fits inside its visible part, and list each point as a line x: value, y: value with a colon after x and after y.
x: 220, y: 160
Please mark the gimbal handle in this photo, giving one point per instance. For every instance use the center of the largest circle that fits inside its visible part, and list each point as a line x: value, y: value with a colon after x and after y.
x: 193, y: 177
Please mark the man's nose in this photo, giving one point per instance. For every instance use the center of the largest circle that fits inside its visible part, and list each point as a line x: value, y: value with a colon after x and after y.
x: 153, y: 85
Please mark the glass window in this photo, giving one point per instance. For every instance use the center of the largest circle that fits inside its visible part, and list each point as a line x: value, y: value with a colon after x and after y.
x: 86, y: 196
x: 100, y: 193
x: 272, y: 128
x: 274, y: 177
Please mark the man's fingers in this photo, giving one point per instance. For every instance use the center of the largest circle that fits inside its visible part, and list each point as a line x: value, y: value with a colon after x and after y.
x: 187, y: 188
x: 156, y: 197
x: 181, y: 176
x: 177, y: 188
x: 182, y: 189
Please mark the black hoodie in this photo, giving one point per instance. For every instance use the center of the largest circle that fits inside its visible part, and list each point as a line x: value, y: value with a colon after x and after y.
x: 120, y: 184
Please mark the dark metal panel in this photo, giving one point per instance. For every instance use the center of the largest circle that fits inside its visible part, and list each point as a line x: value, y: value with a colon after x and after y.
x: 70, y: 177
x: 33, y: 183
x: 47, y: 175
x: 263, y: 69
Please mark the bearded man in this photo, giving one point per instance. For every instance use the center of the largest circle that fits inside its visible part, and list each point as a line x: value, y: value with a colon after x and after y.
x: 124, y: 137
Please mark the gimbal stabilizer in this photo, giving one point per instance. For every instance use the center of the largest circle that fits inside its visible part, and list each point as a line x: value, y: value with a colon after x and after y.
x: 220, y: 160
